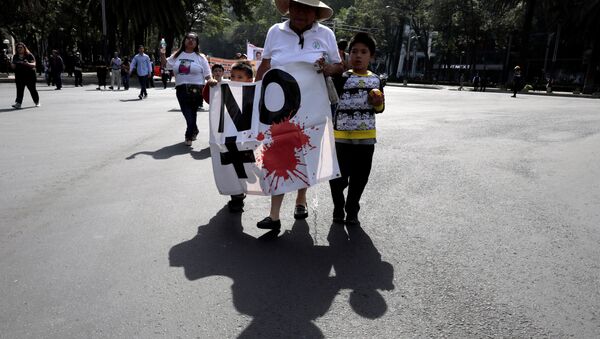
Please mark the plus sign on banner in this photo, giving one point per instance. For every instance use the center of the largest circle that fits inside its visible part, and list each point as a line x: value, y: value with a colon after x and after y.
x: 273, y: 136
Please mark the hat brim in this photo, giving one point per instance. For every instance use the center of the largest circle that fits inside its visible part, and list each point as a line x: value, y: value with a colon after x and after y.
x: 324, y: 12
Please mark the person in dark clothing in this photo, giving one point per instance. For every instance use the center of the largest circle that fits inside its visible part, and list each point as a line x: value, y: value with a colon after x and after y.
x: 125, y: 73
x: 78, y: 69
x: 101, y: 71
x: 517, y: 81
x: 57, y: 66
x: 23, y: 63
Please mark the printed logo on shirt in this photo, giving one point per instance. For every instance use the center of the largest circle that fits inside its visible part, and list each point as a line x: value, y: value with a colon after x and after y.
x: 316, y: 44
x: 185, y: 65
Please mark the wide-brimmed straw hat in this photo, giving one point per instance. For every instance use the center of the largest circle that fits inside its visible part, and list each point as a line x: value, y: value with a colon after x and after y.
x: 324, y: 12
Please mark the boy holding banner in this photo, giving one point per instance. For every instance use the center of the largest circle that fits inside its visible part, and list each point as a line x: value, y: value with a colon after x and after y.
x: 361, y: 97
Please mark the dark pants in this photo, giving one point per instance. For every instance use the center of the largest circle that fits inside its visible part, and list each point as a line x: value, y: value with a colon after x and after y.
x: 355, y: 165
x: 125, y: 81
x: 143, y: 83
x: 30, y: 84
x: 78, y: 78
x: 189, y: 103
x: 101, y: 78
x: 57, y: 76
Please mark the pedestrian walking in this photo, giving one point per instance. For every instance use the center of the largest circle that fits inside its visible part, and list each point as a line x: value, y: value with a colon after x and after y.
x: 285, y: 43
x: 143, y: 68
x: 57, y: 66
x: 461, y: 81
x: 23, y: 63
x: 517, y: 81
x: 47, y: 74
x: 361, y: 97
x: 476, y: 81
x: 125, y: 73
x: 192, y: 71
x: 115, y: 72
x: 78, y: 70
x: 101, y: 71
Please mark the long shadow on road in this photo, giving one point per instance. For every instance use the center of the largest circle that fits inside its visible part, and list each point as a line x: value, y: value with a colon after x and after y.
x: 174, y: 150
x: 285, y: 283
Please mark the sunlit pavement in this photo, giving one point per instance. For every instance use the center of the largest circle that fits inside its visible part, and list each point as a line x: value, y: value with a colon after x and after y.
x: 480, y: 219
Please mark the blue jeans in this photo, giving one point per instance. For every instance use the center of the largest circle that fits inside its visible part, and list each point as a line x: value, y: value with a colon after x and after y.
x: 189, y: 103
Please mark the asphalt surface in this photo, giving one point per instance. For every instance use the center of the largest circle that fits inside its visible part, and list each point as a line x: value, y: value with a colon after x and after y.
x: 480, y: 220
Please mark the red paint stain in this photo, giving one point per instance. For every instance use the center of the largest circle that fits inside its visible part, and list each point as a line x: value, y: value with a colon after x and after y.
x: 281, y: 157
x: 260, y: 136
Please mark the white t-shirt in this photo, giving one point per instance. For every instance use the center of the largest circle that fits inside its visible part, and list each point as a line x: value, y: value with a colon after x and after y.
x: 284, y: 46
x: 189, y: 68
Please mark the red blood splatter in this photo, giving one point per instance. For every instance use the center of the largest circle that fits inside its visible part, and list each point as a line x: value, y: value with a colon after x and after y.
x: 260, y: 136
x: 281, y: 157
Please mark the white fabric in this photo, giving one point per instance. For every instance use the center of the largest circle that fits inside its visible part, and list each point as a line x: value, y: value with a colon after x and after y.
x: 282, y: 45
x: 314, y: 161
x: 189, y: 68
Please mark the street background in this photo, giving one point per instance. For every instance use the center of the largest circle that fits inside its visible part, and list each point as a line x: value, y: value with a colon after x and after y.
x: 480, y: 220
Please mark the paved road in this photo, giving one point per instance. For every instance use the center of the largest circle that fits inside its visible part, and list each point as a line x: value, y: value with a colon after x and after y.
x: 480, y: 220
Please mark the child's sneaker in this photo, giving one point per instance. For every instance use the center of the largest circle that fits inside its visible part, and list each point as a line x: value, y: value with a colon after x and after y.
x: 352, y: 221
x: 236, y: 204
x: 16, y: 105
x: 37, y: 104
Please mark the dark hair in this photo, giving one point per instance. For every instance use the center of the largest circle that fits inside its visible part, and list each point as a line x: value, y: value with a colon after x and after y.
x: 140, y: 46
x: 245, y: 66
x: 364, y: 38
x: 26, y: 50
x: 215, y: 66
x: 182, y: 46
x: 342, y: 44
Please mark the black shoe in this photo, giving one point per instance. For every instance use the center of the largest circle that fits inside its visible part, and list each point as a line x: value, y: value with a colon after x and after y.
x: 140, y: 96
x: 269, y: 224
x: 194, y: 135
x: 145, y: 95
x: 300, y: 212
x: 352, y: 221
x: 338, y: 216
x: 236, y: 204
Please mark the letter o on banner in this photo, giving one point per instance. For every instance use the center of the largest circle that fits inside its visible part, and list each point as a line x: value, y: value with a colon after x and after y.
x: 291, y: 93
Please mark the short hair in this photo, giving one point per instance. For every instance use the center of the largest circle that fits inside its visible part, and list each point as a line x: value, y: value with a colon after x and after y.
x: 342, y: 44
x: 245, y: 66
x: 215, y: 66
x: 364, y: 38
x: 140, y: 46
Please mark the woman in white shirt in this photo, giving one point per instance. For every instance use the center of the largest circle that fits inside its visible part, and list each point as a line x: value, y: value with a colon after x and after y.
x: 300, y: 39
x: 191, y: 71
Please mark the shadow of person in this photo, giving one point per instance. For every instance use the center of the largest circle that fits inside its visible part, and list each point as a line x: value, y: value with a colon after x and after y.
x: 201, y: 154
x: 167, y: 152
x: 283, y: 284
x: 358, y: 267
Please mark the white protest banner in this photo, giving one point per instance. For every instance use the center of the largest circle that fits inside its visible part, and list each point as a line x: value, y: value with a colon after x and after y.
x: 273, y: 136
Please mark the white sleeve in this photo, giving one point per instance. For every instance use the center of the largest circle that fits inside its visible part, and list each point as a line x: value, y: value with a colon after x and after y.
x: 206, y: 66
x: 268, y: 49
x: 332, y: 50
x: 171, y: 62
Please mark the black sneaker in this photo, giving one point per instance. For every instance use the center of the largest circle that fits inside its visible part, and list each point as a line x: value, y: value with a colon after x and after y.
x: 140, y: 96
x: 300, y: 212
x: 236, y: 204
x: 269, y: 224
x: 352, y: 221
x: 338, y: 216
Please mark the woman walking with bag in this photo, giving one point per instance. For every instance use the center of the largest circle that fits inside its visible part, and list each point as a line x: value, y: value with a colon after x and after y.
x: 23, y: 63
x: 191, y: 73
